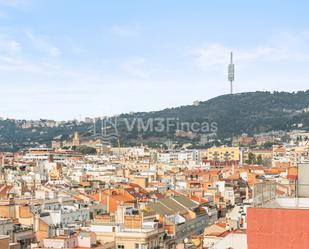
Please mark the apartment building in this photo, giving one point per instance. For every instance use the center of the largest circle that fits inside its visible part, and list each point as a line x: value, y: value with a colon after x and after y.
x: 221, y: 154
x: 130, y: 228
x: 181, y: 217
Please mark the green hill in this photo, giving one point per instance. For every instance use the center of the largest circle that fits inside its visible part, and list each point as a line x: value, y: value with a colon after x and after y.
x: 251, y: 113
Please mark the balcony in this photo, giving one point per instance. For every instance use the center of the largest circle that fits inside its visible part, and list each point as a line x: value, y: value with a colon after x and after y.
x: 276, y: 195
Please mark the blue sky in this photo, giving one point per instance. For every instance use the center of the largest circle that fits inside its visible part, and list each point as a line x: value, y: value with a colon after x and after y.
x: 66, y: 59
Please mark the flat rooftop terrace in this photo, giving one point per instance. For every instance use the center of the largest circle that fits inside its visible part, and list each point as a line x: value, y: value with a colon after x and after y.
x: 288, y: 203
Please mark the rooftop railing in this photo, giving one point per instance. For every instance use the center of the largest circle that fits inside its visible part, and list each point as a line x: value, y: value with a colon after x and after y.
x: 265, y: 192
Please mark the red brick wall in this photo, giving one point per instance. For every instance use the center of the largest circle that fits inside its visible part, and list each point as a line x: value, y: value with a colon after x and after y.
x: 271, y: 228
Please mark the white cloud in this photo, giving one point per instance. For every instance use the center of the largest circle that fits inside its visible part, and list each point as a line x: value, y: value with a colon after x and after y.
x: 42, y: 43
x: 9, y: 46
x: 136, y: 67
x: 15, y: 3
x: 125, y: 30
x: 217, y: 54
x: 284, y: 46
x: 14, y: 46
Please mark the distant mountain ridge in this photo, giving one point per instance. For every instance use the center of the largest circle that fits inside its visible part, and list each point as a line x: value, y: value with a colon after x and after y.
x: 250, y: 112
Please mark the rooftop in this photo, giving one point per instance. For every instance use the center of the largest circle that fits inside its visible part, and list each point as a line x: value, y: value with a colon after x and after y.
x: 288, y: 203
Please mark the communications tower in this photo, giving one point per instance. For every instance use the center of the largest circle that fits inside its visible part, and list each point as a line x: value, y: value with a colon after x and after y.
x: 231, y: 72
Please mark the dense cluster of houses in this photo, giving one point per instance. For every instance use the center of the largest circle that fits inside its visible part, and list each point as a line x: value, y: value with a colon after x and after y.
x: 139, y: 198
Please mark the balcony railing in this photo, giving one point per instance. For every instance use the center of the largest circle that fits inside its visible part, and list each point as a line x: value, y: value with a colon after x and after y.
x: 265, y: 192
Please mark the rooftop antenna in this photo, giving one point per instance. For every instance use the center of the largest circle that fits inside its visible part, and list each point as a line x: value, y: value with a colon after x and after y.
x: 231, y: 72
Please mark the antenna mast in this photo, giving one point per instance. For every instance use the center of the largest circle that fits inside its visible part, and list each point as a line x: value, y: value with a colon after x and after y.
x: 231, y: 72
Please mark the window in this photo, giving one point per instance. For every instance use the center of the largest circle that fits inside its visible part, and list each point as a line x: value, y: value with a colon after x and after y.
x: 144, y: 246
x: 120, y: 246
x: 136, y: 246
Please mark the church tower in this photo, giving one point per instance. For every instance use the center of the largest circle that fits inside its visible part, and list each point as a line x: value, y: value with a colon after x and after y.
x: 76, y: 139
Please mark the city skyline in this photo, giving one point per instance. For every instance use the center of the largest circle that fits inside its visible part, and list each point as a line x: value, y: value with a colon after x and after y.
x: 110, y: 58
x: 154, y: 124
